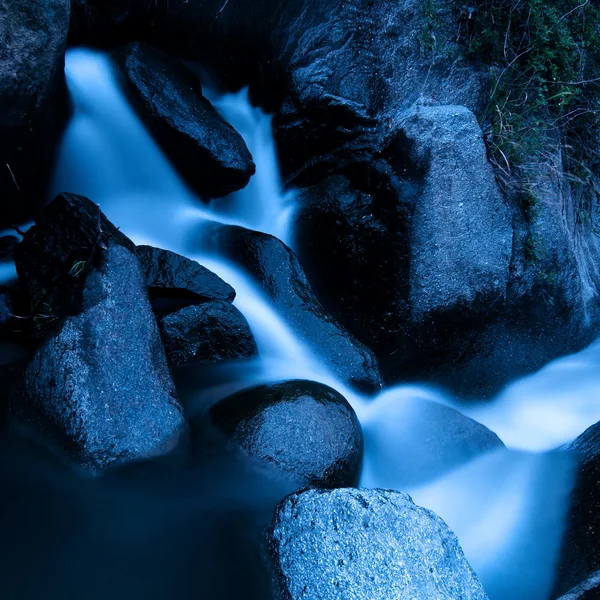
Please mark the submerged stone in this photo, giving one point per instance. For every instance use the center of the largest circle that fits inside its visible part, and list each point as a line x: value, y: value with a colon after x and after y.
x: 365, y: 545
x: 302, y: 430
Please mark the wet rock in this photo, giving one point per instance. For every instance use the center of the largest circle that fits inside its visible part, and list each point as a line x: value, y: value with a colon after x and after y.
x: 417, y: 303
x: 580, y: 553
x: 33, y: 100
x: 6, y: 308
x: 7, y: 245
x: 368, y: 545
x: 298, y: 429
x: 175, y: 280
x: 411, y: 440
x: 206, y: 333
x: 277, y: 270
x: 53, y: 256
x: 210, y: 154
x: 98, y: 386
x: 588, y: 590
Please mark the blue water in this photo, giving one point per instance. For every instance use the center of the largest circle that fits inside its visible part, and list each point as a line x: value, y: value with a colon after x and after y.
x: 507, y: 508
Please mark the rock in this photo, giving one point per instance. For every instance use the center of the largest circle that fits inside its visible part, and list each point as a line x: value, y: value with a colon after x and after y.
x: 345, y: 81
x: 52, y: 257
x: 580, y: 553
x: 210, y: 154
x: 98, y: 385
x: 175, y: 280
x: 277, y: 270
x: 33, y: 100
x: 6, y: 308
x: 411, y: 440
x: 588, y: 590
x: 7, y: 245
x: 208, y: 332
x: 365, y: 544
x: 298, y: 429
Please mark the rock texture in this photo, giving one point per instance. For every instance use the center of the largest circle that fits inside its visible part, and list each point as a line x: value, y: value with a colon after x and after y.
x: 277, y: 270
x: 580, y: 555
x: 206, y: 333
x: 298, y: 429
x: 210, y: 154
x: 33, y: 99
x: 588, y: 590
x: 368, y: 545
x: 98, y: 385
x: 171, y: 275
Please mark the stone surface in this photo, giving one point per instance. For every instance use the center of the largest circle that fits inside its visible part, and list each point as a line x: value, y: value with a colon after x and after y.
x: 588, y: 590
x: 33, y: 100
x: 367, y: 545
x: 171, y: 275
x: 208, y: 152
x: 344, y: 81
x: 580, y: 554
x: 98, y: 385
x: 277, y: 270
x: 206, y: 333
x: 298, y: 429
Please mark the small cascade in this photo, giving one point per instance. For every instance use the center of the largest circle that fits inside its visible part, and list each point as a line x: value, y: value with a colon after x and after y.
x: 493, y: 503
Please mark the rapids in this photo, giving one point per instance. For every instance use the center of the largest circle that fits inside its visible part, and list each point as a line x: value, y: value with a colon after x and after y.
x: 507, y: 508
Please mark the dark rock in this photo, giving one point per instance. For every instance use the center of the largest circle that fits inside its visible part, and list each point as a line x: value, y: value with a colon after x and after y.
x: 6, y: 308
x: 208, y: 332
x: 33, y: 100
x: 7, y: 245
x: 414, y: 280
x: 277, y: 270
x: 367, y: 545
x: 412, y: 440
x: 177, y: 280
x: 98, y: 385
x: 363, y: 282
x: 54, y: 256
x: 207, y: 150
x: 588, y: 590
x: 299, y: 429
x: 580, y: 554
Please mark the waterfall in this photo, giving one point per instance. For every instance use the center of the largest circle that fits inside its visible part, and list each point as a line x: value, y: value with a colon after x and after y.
x: 493, y: 503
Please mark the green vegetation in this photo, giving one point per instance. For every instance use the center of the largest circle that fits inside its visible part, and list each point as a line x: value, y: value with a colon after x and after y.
x: 545, y: 91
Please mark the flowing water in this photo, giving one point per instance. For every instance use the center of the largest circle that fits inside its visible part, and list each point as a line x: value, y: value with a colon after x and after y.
x: 507, y: 508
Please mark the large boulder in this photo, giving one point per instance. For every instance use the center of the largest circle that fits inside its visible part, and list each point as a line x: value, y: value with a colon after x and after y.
x: 277, y: 270
x: 206, y: 333
x: 411, y: 440
x: 588, y: 590
x: 580, y: 555
x: 98, y: 386
x: 367, y: 545
x: 208, y: 152
x: 301, y: 430
x: 415, y: 271
x: 33, y: 99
